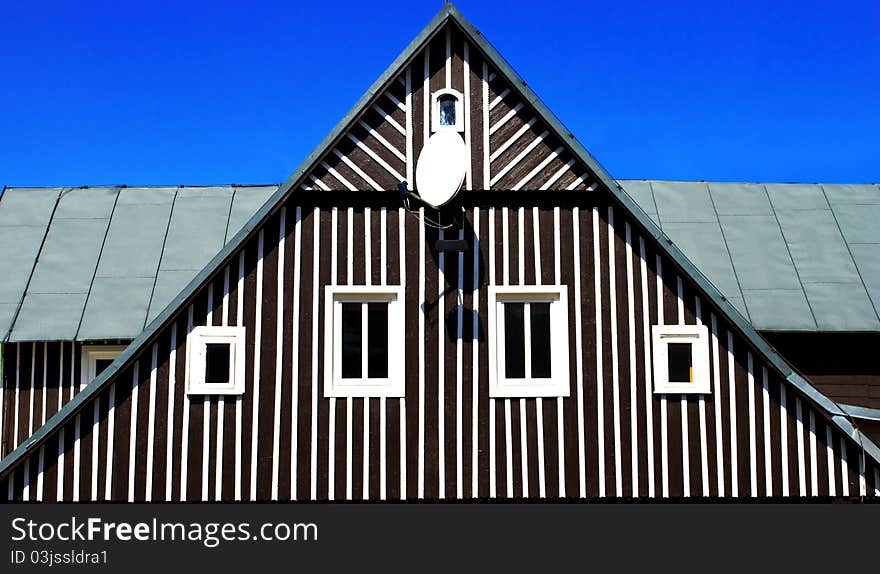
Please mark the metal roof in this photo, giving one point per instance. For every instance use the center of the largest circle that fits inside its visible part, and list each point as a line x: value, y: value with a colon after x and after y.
x: 95, y: 263
x: 789, y: 256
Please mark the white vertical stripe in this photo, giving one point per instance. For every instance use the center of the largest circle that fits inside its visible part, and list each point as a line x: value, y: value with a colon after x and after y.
x: 664, y: 442
x: 206, y: 407
x: 731, y: 385
x: 349, y: 442
x: 844, y: 469
x: 441, y: 362
x: 493, y: 487
x: 768, y: 466
x: 799, y: 426
x: 783, y: 431
x: 422, y: 307
x: 814, y: 477
x: 753, y: 448
x: 40, y: 466
x: 523, y: 421
x: 716, y: 378
x: 560, y: 404
x: 368, y: 272
x: 258, y: 332
x: 383, y: 279
x: 331, y: 419
x: 169, y: 429
x: 239, y: 401
x: 862, y: 485
x: 16, y: 400
x: 600, y: 390
x: 508, y: 427
x: 401, y: 243
x: 426, y: 95
x: 475, y: 346
x: 646, y: 337
x: 151, y: 422
x: 467, y: 114
x: 409, y: 130
x: 685, y: 444
x: 633, y: 394
x: 111, y: 431
x: 295, y: 353
x: 615, y: 375
x: 448, y: 64
x: 132, y: 434
x: 279, y: 354
x: 704, y: 441
x: 539, y: 403
x: 829, y: 447
x: 316, y: 257
x: 95, y: 439
x: 486, y: 162
x: 459, y: 374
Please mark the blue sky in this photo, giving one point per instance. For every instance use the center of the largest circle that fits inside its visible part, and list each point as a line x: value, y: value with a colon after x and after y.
x: 191, y: 92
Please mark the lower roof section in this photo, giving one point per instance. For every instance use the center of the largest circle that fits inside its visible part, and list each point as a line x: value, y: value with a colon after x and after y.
x: 789, y: 257
x: 100, y: 263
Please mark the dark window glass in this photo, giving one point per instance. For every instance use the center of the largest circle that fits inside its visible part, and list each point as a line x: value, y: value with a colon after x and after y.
x: 540, y: 323
x: 217, y: 357
x: 351, y: 340
x: 514, y: 341
x: 101, y: 364
x: 680, y: 363
x: 377, y: 336
x: 447, y: 109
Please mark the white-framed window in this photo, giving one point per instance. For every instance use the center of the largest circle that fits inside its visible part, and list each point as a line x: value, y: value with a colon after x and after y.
x: 681, y: 359
x: 215, y: 361
x: 528, y: 341
x: 448, y: 110
x: 363, y: 324
x: 96, y: 358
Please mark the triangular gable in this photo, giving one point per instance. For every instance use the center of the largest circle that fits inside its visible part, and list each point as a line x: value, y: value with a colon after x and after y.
x: 589, y: 176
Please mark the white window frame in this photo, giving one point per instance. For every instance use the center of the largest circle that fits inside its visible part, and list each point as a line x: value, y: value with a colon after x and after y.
x: 559, y: 383
x: 698, y: 337
x: 90, y: 355
x: 459, y: 110
x: 196, y: 356
x: 334, y: 384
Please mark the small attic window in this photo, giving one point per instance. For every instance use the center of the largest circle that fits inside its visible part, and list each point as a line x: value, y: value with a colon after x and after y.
x: 215, y: 361
x: 681, y: 359
x: 448, y: 111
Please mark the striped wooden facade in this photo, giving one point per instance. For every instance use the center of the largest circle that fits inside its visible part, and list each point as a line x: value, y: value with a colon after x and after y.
x: 755, y: 435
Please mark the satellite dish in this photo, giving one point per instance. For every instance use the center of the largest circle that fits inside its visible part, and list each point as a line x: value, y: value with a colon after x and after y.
x: 441, y: 168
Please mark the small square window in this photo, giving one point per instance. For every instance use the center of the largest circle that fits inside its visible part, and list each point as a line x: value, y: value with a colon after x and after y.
x: 215, y: 361
x: 362, y: 325
x: 96, y: 359
x: 681, y: 359
x: 528, y: 341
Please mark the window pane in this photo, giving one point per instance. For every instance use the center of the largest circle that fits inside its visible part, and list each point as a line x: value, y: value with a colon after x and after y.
x: 680, y: 363
x: 217, y: 356
x: 351, y: 340
x: 447, y: 110
x: 514, y: 341
x: 101, y: 364
x: 540, y: 319
x: 377, y: 336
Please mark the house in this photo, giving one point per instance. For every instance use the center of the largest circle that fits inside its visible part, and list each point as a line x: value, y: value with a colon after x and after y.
x: 373, y: 332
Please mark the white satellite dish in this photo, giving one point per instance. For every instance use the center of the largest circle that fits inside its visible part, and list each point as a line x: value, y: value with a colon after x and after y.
x: 441, y: 168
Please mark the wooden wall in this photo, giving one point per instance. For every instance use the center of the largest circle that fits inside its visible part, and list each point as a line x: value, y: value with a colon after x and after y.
x: 753, y: 436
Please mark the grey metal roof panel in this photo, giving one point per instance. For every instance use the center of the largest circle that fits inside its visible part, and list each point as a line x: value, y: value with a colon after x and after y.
x: 246, y: 202
x: 838, y: 193
x: 116, y: 308
x: 19, y: 246
x: 842, y: 307
x: 867, y: 257
x: 197, y: 230
x: 859, y: 223
x: 780, y: 309
x: 48, y: 317
x: 31, y: 206
x: 740, y: 198
x: 683, y: 201
x: 169, y: 282
x: 69, y: 256
x: 640, y: 190
x: 86, y: 203
x: 705, y: 246
x: 760, y: 257
x: 135, y: 238
x: 817, y: 247
x: 796, y: 196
